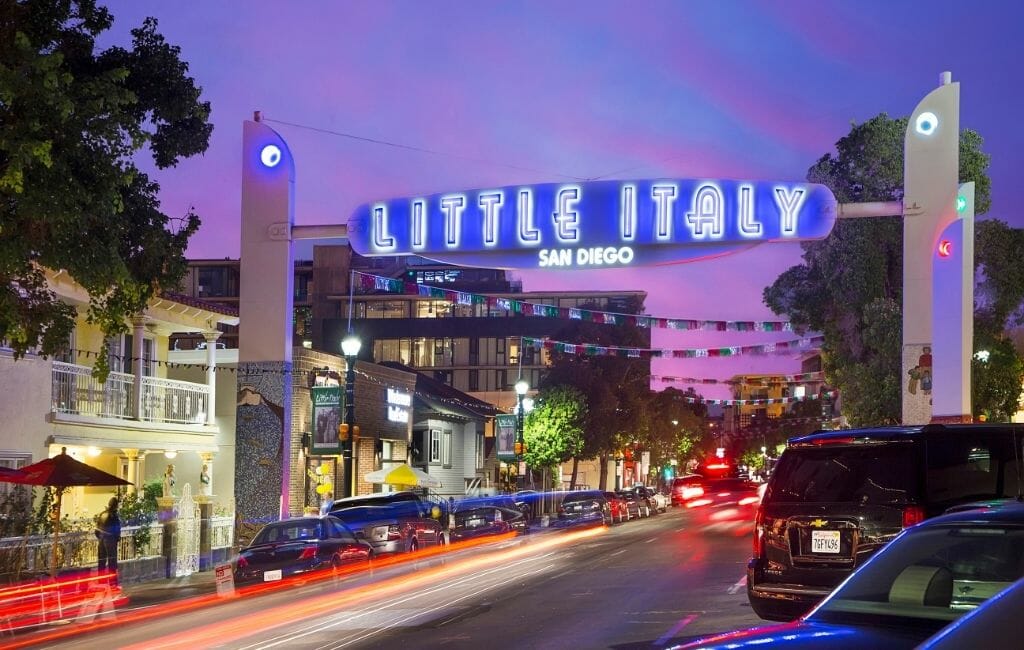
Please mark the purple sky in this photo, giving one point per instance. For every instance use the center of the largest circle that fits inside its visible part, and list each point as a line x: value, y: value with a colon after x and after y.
x: 586, y: 89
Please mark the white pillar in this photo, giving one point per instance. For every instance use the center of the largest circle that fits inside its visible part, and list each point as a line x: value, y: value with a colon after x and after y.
x: 931, y: 169
x: 138, y: 330
x: 211, y: 374
x: 133, y: 469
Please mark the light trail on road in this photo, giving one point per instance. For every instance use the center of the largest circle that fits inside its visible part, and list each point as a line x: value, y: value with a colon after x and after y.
x: 265, y: 620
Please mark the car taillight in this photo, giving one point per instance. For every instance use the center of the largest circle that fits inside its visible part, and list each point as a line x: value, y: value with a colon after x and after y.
x: 693, y: 492
x: 308, y: 553
x: 746, y: 501
x: 913, y: 515
x: 759, y: 533
x: 242, y: 562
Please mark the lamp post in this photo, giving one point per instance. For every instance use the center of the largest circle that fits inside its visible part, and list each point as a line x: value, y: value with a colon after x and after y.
x: 619, y: 456
x: 521, y: 389
x: 350, y: 346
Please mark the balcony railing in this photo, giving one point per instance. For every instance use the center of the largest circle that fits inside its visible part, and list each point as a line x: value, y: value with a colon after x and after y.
x: 75, y: 391
x: 170, y: 400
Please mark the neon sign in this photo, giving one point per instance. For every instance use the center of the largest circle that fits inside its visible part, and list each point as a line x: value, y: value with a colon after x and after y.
x: 594, y: 224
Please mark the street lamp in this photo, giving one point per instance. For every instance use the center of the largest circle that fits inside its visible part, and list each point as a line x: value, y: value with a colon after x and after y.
x: 619, y: 456
x: 521, y: 389
x: 350, y: 346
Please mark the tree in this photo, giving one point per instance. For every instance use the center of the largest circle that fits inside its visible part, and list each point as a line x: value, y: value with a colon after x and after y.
x: 72, y: 120
x: 553, y: 430
x: 850, y: 285
x: 616, y: 388
x: 675, y: 427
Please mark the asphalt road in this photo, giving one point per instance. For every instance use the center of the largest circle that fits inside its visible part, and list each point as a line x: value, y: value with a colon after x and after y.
x: 642, y: 584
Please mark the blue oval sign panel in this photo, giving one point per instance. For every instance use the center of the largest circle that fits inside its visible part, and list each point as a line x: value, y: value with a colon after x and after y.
x: 594, y: 224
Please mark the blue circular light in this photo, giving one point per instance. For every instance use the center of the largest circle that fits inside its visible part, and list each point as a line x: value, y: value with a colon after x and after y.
x: 926, y: 123
x: 270, y: 155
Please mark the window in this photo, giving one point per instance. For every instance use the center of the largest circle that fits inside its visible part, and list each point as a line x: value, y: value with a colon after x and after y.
x: 480, y: 450
x: 443, y: 376
x: 12, y: 460
x: 474, y: 380
x: 446, y: 449
x: 964, y: 467
x: 501, y: 379
x: 474, y: 352
x: 435, y: 446
x: 529, y: 355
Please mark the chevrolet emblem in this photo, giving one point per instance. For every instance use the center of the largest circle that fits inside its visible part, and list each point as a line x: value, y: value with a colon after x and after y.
x: 819, y: 523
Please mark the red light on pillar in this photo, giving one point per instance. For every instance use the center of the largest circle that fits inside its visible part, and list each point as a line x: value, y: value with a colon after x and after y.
x: 945, y: 248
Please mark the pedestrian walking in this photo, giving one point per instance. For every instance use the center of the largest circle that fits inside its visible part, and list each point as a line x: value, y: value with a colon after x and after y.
x: 108, y: 532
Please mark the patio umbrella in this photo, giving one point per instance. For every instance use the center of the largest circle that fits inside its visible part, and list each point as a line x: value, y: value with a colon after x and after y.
x: 62, y: 472
x: 9, y: 475
x: 403, y: 475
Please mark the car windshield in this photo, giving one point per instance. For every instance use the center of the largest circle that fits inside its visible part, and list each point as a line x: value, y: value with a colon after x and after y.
x: 288, y: 531
x: 929, y: 577
x: 358, y: 515
x: 881, y: 474
x: 581, y: 496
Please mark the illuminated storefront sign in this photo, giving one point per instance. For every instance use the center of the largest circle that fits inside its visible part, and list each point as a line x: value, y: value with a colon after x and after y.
x: 595, y: 224
x: 399, y: 404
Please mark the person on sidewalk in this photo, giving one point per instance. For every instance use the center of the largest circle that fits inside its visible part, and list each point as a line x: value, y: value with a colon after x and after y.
x: 108, y: 532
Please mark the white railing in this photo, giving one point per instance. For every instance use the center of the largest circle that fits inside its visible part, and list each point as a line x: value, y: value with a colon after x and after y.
x: 76, y: 548
x: 76, y: 391
x: 170, y: 400
x: 222, y: 531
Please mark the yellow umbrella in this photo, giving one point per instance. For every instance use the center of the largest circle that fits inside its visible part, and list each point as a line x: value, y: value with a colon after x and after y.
x: 403, y: 475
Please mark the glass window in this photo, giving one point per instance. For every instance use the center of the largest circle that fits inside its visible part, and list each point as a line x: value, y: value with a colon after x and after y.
x: 446, y: 449
x: 877, y: 474
x: 513, y: 351
x: 930, y: 576
x: 338, y: 530
x: 435, y: 446
x: 962, y: 467
x: 13, y: 460
x: 474, y: 380
x: 474, y: 351
x: 501, y: 380
x: 288, y: 531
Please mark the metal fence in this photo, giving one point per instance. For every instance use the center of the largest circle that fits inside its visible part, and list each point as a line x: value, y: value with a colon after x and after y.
x: 170, y: 400
x: 30, y: 555
x: 222, y: 531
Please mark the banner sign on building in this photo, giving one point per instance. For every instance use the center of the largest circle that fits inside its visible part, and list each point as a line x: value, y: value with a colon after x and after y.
x: 327, y: 409
x: 506, y: 433
x: 595, y: 224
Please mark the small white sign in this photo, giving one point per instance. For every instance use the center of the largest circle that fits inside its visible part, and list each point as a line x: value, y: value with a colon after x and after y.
x: 271, y: 576
x: 225, y: 579
x: 825, y: 541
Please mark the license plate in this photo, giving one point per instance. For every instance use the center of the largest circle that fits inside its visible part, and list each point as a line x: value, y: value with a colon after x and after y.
x: 271, y: 576
x: 825, y: 541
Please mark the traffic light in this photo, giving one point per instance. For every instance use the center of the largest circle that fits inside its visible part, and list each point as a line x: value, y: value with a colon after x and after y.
x: 355, y: 431
x: 343, y: 433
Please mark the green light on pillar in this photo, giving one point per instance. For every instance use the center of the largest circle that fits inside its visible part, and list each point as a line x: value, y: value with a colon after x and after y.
x: 961, y: 203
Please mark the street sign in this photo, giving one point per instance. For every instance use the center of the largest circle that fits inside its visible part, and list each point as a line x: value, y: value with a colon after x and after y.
x: 597, y: 224
x: 225, y: 580
x: 505, y: 427
x: 327, y: 409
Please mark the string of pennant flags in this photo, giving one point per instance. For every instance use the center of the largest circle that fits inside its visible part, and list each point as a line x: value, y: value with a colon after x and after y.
x: 764, y: 401
x: 588, y: 349
x: 368, y: 281
x: 773, y: 380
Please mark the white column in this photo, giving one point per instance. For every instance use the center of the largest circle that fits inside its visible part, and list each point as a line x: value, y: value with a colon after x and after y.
x: 138, y: 328
x: 133, y: 469
x: 211, y: 373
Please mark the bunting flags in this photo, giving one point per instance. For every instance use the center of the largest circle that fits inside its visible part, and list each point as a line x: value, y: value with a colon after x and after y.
x: 763, y: 402
x: 370, y: 282
x: 588, y: 349
x: 771, y: 380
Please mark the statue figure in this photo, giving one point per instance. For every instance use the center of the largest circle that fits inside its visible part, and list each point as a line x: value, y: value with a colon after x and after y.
x: 204, y: 480
x: 169, y: 481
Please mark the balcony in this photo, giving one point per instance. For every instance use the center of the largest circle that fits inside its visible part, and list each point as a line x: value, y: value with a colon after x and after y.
x: 76, y: 392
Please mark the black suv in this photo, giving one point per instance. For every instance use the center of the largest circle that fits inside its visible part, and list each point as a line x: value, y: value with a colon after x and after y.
x: 837, y: 497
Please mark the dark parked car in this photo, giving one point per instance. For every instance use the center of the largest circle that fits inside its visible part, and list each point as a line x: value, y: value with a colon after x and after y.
x: 643, y: 498
x: 588, y: 506
x: 636, y: 504
x: 924, y: 581
x: 393, y: 523
x: 484, y: 520
x: 294, y: 546
x: 837, y: 497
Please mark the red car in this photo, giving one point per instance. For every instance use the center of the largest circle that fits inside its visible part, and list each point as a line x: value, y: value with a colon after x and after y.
x: 687, y: 488
x: 620, y: 512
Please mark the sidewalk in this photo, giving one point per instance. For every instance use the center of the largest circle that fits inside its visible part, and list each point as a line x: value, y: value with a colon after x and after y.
x: 159, y: 591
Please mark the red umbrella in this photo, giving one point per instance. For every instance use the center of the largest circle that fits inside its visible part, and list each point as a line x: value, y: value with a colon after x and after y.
x: 61, y: 471
x: 9, y: 475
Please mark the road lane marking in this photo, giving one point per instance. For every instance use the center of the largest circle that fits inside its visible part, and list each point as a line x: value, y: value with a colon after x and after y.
x: 679, y: 530
x: 617, y: 552
x: 683, y: 622
x: 650, y: 540
x: 740, y: 584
